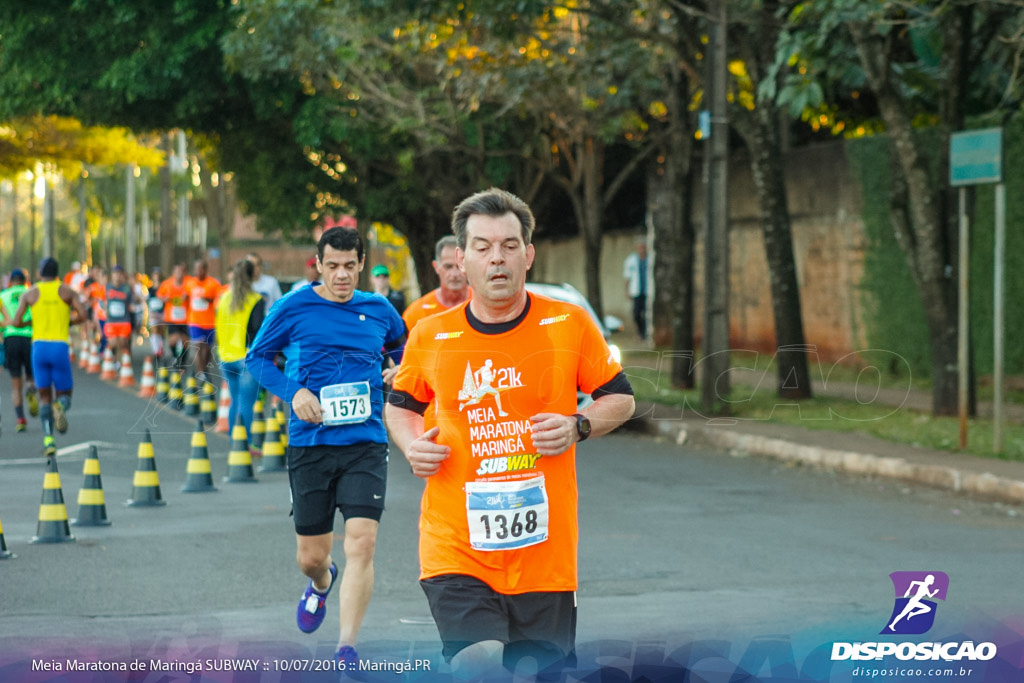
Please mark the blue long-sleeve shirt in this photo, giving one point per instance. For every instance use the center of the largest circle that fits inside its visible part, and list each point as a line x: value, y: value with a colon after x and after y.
x: 326, y: 343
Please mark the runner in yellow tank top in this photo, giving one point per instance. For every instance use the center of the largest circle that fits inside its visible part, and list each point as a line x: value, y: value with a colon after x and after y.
x: 51, y: 302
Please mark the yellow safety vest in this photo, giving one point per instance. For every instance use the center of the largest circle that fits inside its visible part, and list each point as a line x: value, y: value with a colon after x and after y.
x: 232, y: 325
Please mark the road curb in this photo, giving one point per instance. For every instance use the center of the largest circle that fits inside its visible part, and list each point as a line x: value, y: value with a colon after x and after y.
x: 982, y: 484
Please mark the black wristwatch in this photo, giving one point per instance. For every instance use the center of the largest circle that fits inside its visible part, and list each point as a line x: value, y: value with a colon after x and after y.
x: 582, y: 427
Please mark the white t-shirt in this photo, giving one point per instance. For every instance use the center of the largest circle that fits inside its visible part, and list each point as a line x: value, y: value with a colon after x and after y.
x: 268, y: 288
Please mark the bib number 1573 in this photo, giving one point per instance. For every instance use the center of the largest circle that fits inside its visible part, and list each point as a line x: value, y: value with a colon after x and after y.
x: 345, y: 403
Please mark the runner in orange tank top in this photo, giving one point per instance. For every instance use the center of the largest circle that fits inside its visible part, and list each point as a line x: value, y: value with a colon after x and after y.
x: 498, y: 521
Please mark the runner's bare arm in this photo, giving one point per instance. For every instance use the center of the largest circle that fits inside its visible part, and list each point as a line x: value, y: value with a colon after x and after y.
x: 27, y: 299
x: 72, y: 300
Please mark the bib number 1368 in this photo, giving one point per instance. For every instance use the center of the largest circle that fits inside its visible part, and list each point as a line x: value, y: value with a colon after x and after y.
x: 507, y: 515
x: 499, y: 526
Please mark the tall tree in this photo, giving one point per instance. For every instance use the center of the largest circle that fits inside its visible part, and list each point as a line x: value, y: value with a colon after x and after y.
x: 389, y: 118
x: 760, y: 119
x: 149, y: 66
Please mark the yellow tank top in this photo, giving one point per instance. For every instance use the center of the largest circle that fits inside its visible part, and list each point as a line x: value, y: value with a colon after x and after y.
x: 231, y: 326
x: 51, y: 315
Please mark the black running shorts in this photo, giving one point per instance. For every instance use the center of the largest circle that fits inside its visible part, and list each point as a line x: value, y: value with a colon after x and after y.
x: 540, y: 625
x: 327, y: 478
x: 18, y: 356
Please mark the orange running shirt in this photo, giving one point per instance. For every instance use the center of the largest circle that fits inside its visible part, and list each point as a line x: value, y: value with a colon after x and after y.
x: 426, y: 305
x: 97, y: 294
x: 483, y: 389
x: 202, y: 294
x: 175, y: 298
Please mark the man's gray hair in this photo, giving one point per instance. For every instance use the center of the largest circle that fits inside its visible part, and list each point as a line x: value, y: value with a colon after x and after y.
x: 492, y: 202
x: 444, y: 243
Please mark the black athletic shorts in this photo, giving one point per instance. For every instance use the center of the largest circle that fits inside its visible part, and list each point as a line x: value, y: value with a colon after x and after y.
x: 18, y: 355
x: 325, y: 478
x: 175, y: 328
x: 540, y: 625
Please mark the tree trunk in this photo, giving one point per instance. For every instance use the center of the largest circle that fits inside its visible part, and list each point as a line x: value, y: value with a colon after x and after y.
x: 669, y: 202
x: 917, y: 221
x: 422, y: 231
x: 761, y: 131
x: 592, y: 223
x: 794, y: 381
x: 168, y: 231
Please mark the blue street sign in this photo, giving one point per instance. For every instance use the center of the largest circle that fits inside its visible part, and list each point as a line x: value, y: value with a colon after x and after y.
x: 976, y: 156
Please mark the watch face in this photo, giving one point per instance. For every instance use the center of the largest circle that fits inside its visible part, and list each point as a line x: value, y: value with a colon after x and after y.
x: 582, y: 426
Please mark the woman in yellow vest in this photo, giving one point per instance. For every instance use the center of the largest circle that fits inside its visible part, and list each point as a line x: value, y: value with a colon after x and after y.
x: 240, y: 312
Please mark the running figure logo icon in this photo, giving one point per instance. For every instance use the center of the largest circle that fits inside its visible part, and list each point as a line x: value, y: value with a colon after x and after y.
x: 475, y: 385
x: 916, y: 592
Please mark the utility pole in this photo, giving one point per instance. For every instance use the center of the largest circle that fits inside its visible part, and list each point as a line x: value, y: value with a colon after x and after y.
x: 14, y: 223
x: 168, y: 234
x: 83, y: 223
x: 49, y: 234
x: 33, y: 263
x: 715, y: 362
x: 131, y: 233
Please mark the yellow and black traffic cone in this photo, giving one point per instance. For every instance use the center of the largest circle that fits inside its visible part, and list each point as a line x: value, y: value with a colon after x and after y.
x: 191, y: 397
x: 163, y: 384
x: 239, y: 458
x: 5, y: 554
x: 175, y: 395
x: 273, y: 450
x: 53, y: 516
x: 282, y: 423
x: 258, y: 429
x: 208, y: 404
x: 146, y: 483
x: 92, y: 508
x: 199, y: 479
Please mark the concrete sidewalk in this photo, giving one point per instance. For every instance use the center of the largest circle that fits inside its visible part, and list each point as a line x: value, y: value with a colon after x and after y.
x: 858, y: 454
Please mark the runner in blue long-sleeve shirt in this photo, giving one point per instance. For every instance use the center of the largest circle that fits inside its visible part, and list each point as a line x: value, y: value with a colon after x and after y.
x: 333, y: 337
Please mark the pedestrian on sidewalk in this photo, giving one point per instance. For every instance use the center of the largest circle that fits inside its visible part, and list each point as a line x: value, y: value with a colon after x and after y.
x: 635, y: 272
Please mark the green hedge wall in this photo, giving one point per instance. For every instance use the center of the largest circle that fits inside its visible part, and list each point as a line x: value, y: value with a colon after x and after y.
x: 894, y: 315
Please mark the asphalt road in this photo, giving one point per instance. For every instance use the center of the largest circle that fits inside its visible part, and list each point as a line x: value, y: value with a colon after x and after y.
x: 678, y: 548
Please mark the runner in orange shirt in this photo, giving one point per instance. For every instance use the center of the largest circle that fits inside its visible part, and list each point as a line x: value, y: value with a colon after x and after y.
x: 173, y: 292
x: 96, y: 299
x: 452, y: 291
x: 498, y: 521
x: 203, y: 291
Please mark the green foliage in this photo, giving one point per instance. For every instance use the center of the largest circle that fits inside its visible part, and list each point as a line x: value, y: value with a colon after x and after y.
x: 895, y: 319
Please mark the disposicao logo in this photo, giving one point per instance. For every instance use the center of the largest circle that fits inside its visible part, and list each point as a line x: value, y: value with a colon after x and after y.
x: 913, y: 614
x: 916, y: 592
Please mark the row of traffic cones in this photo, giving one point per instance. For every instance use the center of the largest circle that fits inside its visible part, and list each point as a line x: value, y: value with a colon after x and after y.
x: 54, y: 526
